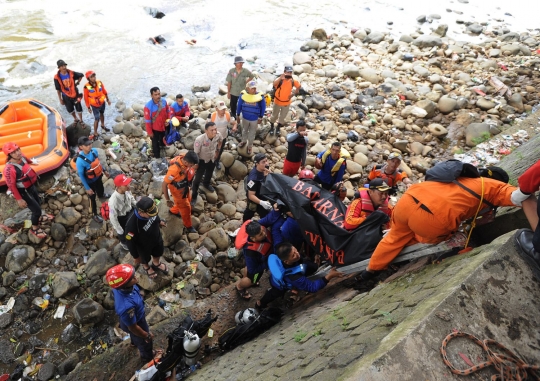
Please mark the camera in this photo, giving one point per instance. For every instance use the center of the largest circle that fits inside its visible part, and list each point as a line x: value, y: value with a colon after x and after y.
x: 288, y: 76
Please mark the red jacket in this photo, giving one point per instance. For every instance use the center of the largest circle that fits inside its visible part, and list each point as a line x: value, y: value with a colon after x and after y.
x: 156, y: 122
x: 529, y: 182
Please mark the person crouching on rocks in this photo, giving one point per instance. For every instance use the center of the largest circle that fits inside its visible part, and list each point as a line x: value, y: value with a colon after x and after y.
x: 90, y: 172
x: 121, y: 204
x: 143, y: 237
x: 20, y: 180
x: 129, y: 306
x: 251, y: 105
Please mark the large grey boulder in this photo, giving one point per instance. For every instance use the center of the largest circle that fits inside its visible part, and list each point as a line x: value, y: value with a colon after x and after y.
x: 68, y: 216
x: 88, y: 311
x: 99, y: 263
x: 427, y: 41
x: 20, y: 258
x: 63, y: 283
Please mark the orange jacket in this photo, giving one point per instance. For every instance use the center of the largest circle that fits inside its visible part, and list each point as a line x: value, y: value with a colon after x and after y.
x: 62, y: 85
x: 95, y: 95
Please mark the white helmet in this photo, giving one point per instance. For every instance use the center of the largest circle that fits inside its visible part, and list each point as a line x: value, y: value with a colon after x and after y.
x: 246, y: 316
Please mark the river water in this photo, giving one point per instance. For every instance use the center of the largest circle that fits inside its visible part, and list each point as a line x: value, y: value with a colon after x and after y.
x: 110, y: 37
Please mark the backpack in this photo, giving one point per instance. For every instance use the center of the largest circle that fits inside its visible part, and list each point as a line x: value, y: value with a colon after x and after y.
x: 95, y: 170
x: 279, y: 273
x: 449, y: 171
x: 105, y: 210
x: 243, y: 333
x: 171, y: 135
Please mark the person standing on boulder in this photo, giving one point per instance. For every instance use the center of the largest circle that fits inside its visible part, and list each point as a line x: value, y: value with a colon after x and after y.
x: 283, y: 93
x: 222, y: 119
x: 90, y: 172
x: 252, y: 106
x: 121, y: 203
x: 181, y: 110
x: 20, y: 180
x: 207, y: 147
x: 178, y: 181
x: 65, y: 83
x: 157, y: 114
x: 129, y: 306
x: 297, y: 150
x: 253, y: 182
x: 332, y: 166
x: 95, y: 96
x: 236, y: 82
x: 143, y: 237
x: 390, y: 172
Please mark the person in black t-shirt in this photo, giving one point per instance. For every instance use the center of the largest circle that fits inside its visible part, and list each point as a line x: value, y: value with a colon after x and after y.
x: 296, y: 154
x: 253, y: 181
x: 143, y: 237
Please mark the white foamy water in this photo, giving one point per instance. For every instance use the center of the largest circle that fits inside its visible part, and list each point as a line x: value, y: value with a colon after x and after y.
x: 110, y: 37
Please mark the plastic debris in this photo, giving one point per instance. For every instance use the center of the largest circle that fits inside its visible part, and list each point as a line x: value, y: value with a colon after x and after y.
x: 59, y: 314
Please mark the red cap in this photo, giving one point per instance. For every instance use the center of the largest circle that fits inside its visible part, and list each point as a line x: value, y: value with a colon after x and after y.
x: 122, y: 180
x: 89, y: 73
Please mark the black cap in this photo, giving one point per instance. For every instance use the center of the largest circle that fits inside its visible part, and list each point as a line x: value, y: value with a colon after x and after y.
x: 84, y: 141
x: 288, y: 69
x: 379, y: 184
x: 147, y: 205
x: 495, y: 173
x: 61, y: 63
x: 258, y: 157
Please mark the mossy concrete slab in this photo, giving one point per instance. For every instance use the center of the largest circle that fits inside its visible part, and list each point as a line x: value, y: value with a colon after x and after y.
x: 489, y: 292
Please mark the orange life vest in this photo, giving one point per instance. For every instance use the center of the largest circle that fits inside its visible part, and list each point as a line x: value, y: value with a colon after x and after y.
x: 72, y: 92
x: 96, y: 94
x: 26, y: 176
x: 242, y: 239
x: 367, y: 205
x: 95, y: 170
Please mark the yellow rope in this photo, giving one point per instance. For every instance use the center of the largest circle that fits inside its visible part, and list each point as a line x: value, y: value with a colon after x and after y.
x: 473, y: 223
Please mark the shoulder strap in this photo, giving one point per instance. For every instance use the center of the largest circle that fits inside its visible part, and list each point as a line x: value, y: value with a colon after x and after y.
x: 474, y: 194
x: 85, y: 158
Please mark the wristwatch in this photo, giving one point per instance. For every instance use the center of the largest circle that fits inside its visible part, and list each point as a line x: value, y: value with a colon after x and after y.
x: 148, y: 337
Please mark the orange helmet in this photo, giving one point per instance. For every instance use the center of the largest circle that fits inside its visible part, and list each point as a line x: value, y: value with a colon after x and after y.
x: 119, y: 275
x: 89, y: 73
x: 9, y: 148
x: 306, y: 174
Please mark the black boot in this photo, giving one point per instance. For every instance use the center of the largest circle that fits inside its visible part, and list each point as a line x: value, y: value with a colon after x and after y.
x: 271, y: 129
x: 523, y: 240
x: 278, y: 130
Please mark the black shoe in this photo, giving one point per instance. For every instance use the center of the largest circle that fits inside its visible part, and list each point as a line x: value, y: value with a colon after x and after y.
x: 271, y: 133
x: 191, y: 230
x: 209, y: 188
x: 218, y: 166
x: 278, y: 131
x: 523, y: 241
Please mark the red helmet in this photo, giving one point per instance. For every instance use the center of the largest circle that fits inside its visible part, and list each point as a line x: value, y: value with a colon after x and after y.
x: 306, y: 174
x: 9, y: 148
x: 89, y: 73
x: 119, y: 275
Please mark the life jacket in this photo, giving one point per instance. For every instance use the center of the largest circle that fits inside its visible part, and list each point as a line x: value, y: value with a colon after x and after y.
x: 72, y: 92
x: 251, y: 98
x: 367, y: 205
x: 95, y: 170
x: 344, y: 154
x: 267, y: 99
x: 105, y: 210
x: 188, y: 173
x: 26, y: 176
x: 380, y: 173
x: 279, y: 274
x: 96, y: 96
x: 227, y: 115
x: 242, y: 242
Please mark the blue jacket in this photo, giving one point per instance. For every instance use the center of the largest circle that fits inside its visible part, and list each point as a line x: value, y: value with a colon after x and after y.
x: 274, y: 220
x: 83, y: 166
x: 299, y: 281
x: 283, y: 228
x: 251, y: 110
x: 129, y: 305
x: 325, y: 174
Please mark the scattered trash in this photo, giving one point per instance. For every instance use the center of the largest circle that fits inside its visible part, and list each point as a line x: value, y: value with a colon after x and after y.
x: 491, y: 152
x: 231, y: 253
x: 59, y: 314
x: 500, y: 87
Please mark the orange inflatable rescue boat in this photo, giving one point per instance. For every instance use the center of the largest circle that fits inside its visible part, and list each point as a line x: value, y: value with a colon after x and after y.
x: 38, y: 129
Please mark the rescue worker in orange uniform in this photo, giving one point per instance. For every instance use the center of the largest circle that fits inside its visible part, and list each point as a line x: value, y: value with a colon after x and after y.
x: 65, y: 83
x: 95, y: 96
x: 371, y: 199
x: 177, y: 181
x: 390, y: 172
x: 431, y: 211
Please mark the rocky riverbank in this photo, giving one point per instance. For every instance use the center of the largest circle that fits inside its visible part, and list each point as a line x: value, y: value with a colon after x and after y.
x: 425, y: 96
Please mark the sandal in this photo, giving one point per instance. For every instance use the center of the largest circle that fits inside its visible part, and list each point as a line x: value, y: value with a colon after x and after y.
x: 105, y: 129
x: 158, y: 268
x: 46, y: 217
x: 152, y: 274
x: 39, y: 232
x: 249, y: 150
x: 244, y: 294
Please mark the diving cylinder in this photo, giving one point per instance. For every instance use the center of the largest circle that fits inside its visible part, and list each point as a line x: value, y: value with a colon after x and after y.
x: 192, y: 343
